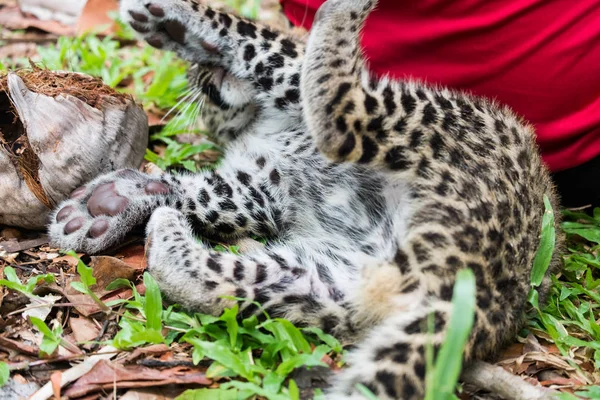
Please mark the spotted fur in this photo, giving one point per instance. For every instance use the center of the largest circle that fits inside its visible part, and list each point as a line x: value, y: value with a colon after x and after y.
x: 374, y: 193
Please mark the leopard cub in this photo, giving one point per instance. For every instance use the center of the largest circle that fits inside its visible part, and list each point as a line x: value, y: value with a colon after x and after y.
x: 374, y: 193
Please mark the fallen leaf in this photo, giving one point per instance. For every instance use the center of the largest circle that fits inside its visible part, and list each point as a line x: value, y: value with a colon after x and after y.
x: 70, y: 260
x: 55, y: 379
x: 13, y: 246
x: 107, y: 375
x: 65, y: 11
x: 134, y: 256
x: 75, y: 372
x: 95, y: 15
x: 40, y: 307
x: 155, y: 349
x: 84, y: 330
x: 19, y: 346
x: 106, y: 270
x: 8, y: 232
x: 12, y: 18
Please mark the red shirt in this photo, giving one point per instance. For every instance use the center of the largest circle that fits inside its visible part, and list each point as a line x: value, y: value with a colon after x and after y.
x: 541, y: 57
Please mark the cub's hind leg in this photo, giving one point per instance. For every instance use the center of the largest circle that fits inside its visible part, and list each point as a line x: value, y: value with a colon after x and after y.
x: 264, y: 63
x: 191, y: 274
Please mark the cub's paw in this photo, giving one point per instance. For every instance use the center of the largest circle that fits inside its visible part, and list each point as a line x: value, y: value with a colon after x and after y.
x: 99, y: 214
x: 190, y: 30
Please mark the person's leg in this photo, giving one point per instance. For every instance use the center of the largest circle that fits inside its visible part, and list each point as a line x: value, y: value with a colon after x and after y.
x: 579, y: 186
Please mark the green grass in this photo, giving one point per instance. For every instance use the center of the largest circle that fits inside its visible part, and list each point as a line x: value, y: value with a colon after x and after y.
x: 570, y: 317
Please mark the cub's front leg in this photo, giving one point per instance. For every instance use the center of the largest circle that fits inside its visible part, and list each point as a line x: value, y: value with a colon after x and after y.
x: 231, y: 203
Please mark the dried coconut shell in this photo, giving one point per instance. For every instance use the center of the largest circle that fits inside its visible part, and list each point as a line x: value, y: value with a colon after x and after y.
x: 59, y: 130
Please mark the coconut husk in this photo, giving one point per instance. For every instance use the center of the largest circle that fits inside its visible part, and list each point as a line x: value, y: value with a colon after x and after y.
x: 57, y: 131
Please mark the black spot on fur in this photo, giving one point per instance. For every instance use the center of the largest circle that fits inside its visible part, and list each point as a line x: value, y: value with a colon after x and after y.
x: 396, y: 159
x: 437, y: 145
x: 210, y: 285
x: 275, y: 177
x: 288, y: 48
x: 239, y: 271
x: 268, y: 34
x: 259, y: 69
x: 223, y: 189
x: 421, y: 252
x: 276, y: 60
x: 210, y: 13
x: 295, y: 80
x: 244, y: 178
x: 225, y: 20
x: 369, y: 150
x: 246, y: 29
x: 329, y: 322
x: 370, y: 104
x: 225, y: 228
x: 213, y: 263
x: 429, y: 114
x: 261, y: 274
x: 265, y: 83
x: 341, y: 92
x: 375, y: 124
x: 388, y: 381
x: 249, y: 52
x: 257, y: 197
x: 228, y: 205
x: 337, y: 63
x: 421, y: 94
x: 400, y: 126
x: 388, y: 101
x: 212, y: 216
x: 203, y: 197
x: 340, y: 124
x: 408, y: 103
x: 347, y: 146
x: 443, y: 102
x: 401, y: 260
x: 349, y: 107
x: 241, y: 220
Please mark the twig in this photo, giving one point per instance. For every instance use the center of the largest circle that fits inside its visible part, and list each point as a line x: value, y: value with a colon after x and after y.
x: 25, y: 365
x: 153, y: 363
x: 74, y: 373
x: 497, y: 380
x: 100, y: 334
x: 49, y: 305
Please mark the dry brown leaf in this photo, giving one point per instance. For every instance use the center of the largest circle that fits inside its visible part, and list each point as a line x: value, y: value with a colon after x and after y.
x: 70, y: 260
x: 155, y: 349
x: 106, y: 270
x: 513, y: 351
x: 107, y: 375
x: 55, y: 379
x: 12, y: 18
x: 84, y: 330
x: 19, y: 346
x: 95, y: 15
x: 134, y: 256
x: 13, y: 246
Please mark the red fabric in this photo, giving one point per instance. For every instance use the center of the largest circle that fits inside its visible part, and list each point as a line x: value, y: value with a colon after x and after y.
x: 541, y: 57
